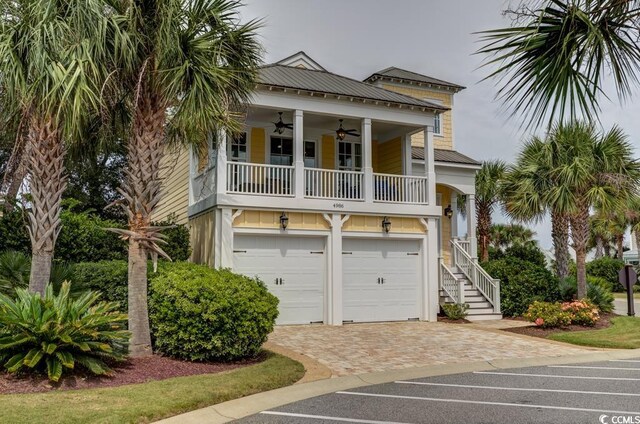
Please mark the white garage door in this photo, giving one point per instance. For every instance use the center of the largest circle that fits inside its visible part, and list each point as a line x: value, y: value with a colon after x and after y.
x: 293, y: 269
x: 381, y: 280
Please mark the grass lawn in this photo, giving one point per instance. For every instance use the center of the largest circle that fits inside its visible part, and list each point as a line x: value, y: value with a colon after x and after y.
x: 149, y: 401
x: 624, y: 333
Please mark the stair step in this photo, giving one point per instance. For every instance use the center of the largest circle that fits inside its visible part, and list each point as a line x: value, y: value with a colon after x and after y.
x: 484, y: 317
x: 480, y: 311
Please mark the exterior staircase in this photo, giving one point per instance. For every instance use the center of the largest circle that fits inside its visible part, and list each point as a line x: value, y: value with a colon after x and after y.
x: 466, y: 282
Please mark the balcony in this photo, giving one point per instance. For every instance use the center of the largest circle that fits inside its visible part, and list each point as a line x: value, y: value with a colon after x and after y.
x: 279, y: 181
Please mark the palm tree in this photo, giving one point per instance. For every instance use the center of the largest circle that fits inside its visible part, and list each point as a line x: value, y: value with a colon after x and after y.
x: 193, y: 68
x: 526, y: 188
x: 550, y: 64
x: 506, y: 235
x: 51, y: 56
x: 601, y: 236
x: 599, y: 171
x: 488, y: 194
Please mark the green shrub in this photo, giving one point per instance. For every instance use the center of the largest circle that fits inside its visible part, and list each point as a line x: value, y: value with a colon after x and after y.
x: 598, y: 291
x: 547, y: 314
x: 201, y: 314
x: 56, y: 333
x: 107, y: 277
x: 13, y: 232
x: 527, y: 252
x: 522, y: 283
x: 177, y: 240
x: 14, y: 271
x: 455, y: 311
x: 607, y: 269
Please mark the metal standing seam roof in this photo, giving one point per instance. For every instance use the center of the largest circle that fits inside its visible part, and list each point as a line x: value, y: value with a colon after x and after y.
x: 442, y: 155
x: 402, y: 74
x: 328, y: 83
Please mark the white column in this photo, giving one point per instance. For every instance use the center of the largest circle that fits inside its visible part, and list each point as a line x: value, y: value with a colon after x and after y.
x: 217, y: 239
x: 471, y: 225
x: 454, y: 218
x: 429, y: 165
x: 298, y: 152
x: 221, y: 163
x: 367, y: 158
x: 431, y: 300
x: 335, y: 277
x: 226, y: 238
x: 407, y: 164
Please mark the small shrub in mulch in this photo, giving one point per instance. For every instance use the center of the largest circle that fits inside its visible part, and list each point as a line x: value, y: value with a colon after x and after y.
x: 542, y: 332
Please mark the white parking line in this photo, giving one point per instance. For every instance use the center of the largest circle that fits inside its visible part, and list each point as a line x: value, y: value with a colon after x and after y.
x: 517, y: 389
x: 624, y: 360
x: 477, y: 402
x: 557, y: 376
x: 593, y: 368
x: 323, y: 417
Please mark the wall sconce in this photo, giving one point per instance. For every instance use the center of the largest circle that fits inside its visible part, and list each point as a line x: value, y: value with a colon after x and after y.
x: 386, y: 224
x: 448, y: 212
x: 284, y: 221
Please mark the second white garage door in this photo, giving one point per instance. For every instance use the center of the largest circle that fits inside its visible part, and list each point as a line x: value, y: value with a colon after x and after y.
x: 293, y: 268
x: 381, y: 280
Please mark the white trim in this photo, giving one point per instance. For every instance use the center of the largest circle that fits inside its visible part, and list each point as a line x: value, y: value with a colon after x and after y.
x: 448, y: 164
x: 279, y: 232
x: 236, y: 214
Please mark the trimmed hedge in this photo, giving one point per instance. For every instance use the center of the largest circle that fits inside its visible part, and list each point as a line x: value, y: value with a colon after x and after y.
x: 107, y: 277
x: 201, y: 314
x: 522, y: 283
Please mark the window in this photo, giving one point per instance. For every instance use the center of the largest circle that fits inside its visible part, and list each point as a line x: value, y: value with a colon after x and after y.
x: 281, y: 151
x: 239, y: 148
x: 437, y: 124
x: 310, y: 154
x: 349, y: 155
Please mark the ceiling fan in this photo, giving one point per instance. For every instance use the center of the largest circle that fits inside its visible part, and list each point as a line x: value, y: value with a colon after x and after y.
x: 341, y: 133
x: 281, y: 126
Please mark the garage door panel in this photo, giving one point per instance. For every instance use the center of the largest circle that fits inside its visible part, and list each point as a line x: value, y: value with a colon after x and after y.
x: 397, y: 262
x: 299, y: 262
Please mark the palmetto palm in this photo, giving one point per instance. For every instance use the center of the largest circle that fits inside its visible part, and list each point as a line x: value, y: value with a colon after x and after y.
x: 550, y: 64
x: 600, y: 235
x: 526, y: 195
x: 488, y: 194
x: 51, y: 70
x: 633, y: 216
x: 192, y: 67
x: 507, y: 235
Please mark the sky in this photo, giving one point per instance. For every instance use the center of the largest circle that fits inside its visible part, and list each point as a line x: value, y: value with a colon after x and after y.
x: 356, y: 38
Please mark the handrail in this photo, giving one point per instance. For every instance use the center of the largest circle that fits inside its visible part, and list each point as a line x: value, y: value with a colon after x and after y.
x: 451, y: 286
x: 479, y: 278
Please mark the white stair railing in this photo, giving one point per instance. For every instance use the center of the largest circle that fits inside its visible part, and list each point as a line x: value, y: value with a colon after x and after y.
x: 451, y: 286
x: 479, y: 278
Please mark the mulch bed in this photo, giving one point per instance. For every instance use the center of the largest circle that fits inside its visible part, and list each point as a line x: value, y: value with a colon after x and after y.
x: 135, y: 370
x: 445, y: 319
x: 603, y: 322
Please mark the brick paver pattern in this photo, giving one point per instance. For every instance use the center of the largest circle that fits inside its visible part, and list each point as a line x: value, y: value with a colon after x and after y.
x: 362, y: 348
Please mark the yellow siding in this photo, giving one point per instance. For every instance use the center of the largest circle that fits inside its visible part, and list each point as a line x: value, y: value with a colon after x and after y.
x: 373, y: 224
x: 375, y: 155
x: 258, y: 145
x: 271, y: 219
x: 328, y: 152
x: 389, y: 159
x: 175, y: 187
x: 440, y: 142
x: 445, y: 229
x: 201, y: 228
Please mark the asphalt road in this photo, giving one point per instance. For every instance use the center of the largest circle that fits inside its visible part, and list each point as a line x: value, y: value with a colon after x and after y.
x: 621, y: 305
x: 599, y: 392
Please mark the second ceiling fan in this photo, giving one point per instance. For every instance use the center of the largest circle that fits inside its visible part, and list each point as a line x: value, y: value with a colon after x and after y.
x: 341, y: 133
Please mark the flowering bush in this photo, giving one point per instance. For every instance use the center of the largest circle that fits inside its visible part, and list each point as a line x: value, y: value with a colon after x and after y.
x: 552, y: 315
x: 547, y: 315
x: 582, y: 312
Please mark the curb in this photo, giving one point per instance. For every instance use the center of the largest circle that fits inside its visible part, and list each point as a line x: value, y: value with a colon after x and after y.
x: 250, y: 405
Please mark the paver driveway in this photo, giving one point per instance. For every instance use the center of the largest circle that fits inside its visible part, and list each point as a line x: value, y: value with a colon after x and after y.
x: 362, y: 348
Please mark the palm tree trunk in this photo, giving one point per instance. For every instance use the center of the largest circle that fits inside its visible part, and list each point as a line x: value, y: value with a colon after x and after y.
x: 599, y: 248
x: 46, y: 183
x: 560, y: 237
x: 16, y: 166
x: 580, y: 237
x: 483, y: 217
x: 607, y: 250
x: 619, y: 245
x: 141, y: 191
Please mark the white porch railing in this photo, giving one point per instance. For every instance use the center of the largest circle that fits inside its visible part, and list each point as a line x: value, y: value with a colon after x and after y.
x: 333, y: 184
x: 451, y: 286
x: 400, y: 189
x: 466, y: 245
x: 255, y: 178
x: 489, y: 287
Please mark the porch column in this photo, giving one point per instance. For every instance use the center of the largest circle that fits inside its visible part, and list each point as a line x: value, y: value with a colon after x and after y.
x: 429, y: 165
x: 454, y: 219
x: 298, y: 152
x: 407, y: 163
x: 226, y: 238
x: 367, y: 158
x: 221, y: 162
x: 335, y: 268
x: 432, y: 286
x: 471, y: 226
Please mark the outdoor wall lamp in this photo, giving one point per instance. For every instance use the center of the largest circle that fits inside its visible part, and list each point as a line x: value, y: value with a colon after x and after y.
x: 448, y: 212
x: 284, y: 221
x: 386, y: 224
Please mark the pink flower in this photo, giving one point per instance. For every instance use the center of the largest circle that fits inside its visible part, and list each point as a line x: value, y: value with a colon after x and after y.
x: 539, y: 322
